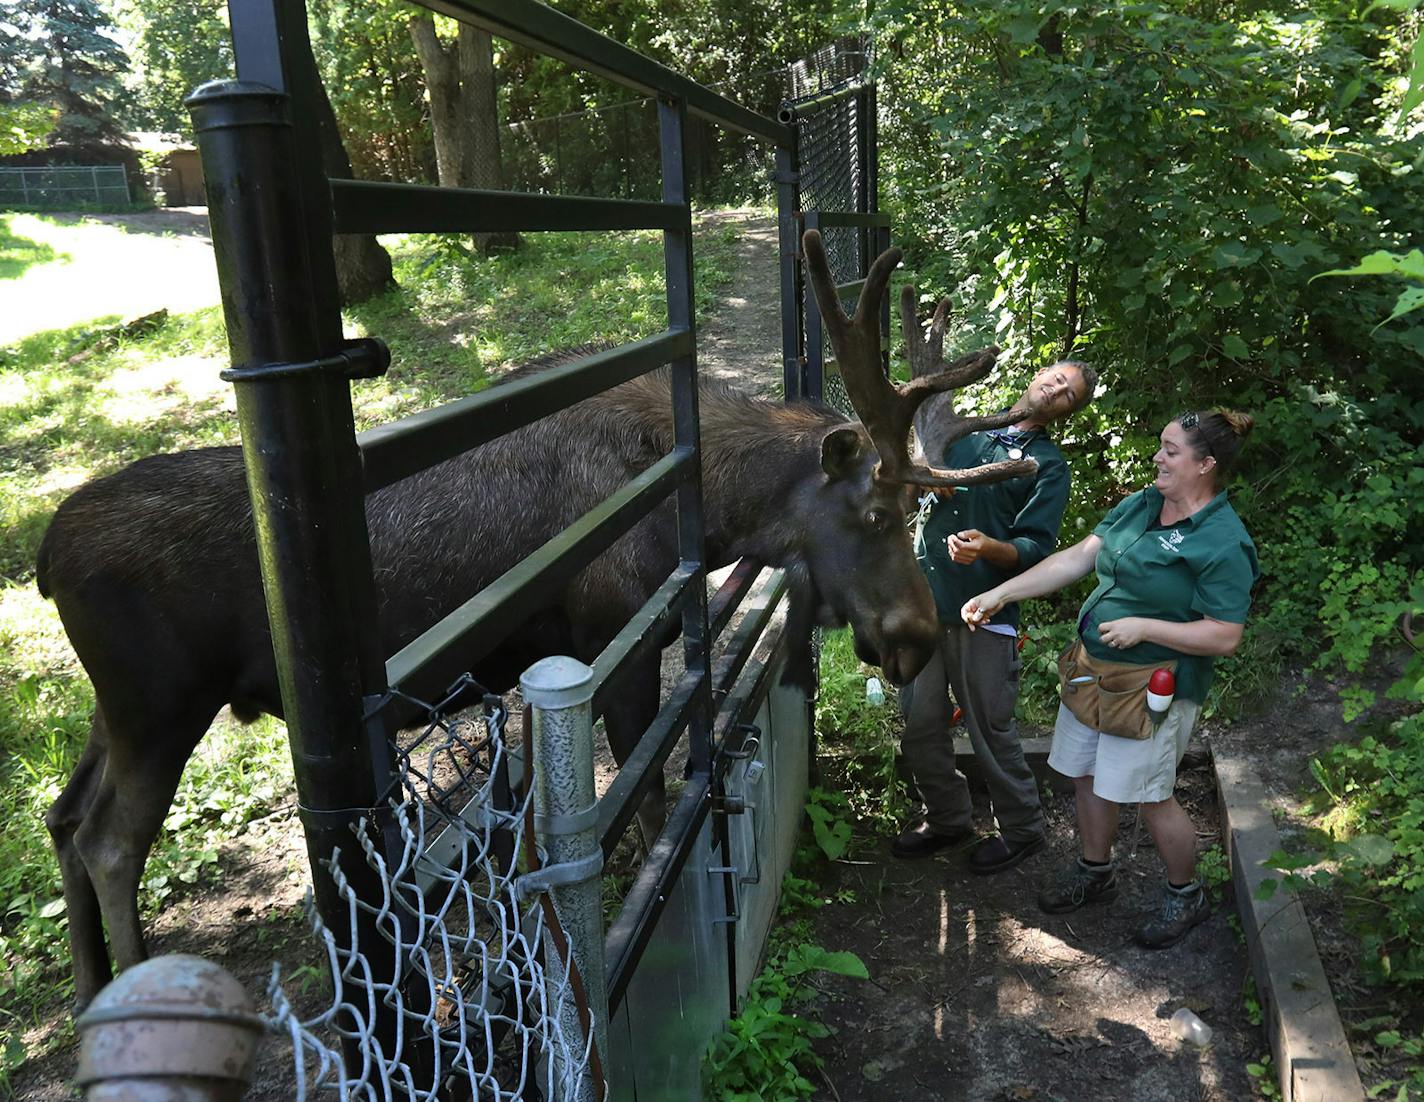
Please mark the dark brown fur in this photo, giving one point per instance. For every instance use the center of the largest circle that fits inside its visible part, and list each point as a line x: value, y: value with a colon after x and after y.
x: 155, y: 574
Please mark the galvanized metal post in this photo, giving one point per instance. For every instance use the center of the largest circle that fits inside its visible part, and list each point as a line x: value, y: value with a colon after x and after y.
x: 560, y: 692
x: 171, y: 1028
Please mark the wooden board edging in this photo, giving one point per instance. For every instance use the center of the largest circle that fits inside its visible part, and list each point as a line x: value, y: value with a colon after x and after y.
x: 1312, y: 1055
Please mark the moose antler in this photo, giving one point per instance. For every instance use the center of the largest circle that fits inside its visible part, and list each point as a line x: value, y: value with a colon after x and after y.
x: 886, y: 409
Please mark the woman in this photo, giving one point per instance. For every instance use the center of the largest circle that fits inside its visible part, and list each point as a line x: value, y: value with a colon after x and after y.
x: 1175, y: 569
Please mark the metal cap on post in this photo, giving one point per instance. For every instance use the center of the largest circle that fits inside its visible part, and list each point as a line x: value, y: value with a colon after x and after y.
x: 175, y: 1027
x: 560, y: 693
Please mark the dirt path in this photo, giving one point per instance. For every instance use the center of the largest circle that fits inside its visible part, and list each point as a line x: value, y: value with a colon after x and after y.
x: 740, y: 341
x: 128, y: 265
x: 978, y: 996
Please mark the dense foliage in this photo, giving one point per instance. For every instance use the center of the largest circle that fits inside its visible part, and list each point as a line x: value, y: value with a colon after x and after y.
x: 177, y: 45
x: 1153, y: 187
x: 61, y: 55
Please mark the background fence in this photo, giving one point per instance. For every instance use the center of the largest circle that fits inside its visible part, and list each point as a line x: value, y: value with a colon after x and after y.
x: 61, y: 187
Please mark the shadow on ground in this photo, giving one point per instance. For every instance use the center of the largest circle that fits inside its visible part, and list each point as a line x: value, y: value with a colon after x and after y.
x: 977, y: 995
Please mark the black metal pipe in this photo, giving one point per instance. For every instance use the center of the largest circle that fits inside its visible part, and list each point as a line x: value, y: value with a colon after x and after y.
x: 550, y: 32
x: 677, y: 266
x: 793, y: 110
x: 303, y: 476
x: 788, y: 205
x: 369, y: 206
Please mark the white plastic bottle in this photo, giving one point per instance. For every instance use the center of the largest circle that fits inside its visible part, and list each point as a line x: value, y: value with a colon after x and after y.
x: 1190, y: 1028
x: 874, y: 691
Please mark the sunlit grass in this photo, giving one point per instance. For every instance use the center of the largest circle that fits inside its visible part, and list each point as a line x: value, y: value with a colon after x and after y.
x: 83, y: 270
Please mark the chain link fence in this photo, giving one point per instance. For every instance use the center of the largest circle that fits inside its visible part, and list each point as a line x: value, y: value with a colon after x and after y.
x: 465, y: 978
x: 831, y: 134
x: 62, y: 187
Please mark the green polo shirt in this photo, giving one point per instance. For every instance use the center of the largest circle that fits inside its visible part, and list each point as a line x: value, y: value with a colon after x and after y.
x: 1202, y: 566
x: 1026, y: 512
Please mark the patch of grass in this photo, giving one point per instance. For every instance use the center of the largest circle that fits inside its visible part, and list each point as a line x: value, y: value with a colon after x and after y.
x: 18, y: 253
x: 859, y: 738
x: 62, y: 422
x: 459, y: 320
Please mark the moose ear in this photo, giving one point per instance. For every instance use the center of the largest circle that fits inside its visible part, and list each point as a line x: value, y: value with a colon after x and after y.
x: 840, y: 451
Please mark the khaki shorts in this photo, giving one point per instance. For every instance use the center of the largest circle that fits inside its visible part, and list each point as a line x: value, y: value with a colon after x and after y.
x: 1124, y: 770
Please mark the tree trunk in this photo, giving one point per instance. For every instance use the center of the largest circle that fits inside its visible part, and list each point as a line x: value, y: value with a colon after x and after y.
x: 464, y: 112
x: 1072, y: 309
x: 363, y: 267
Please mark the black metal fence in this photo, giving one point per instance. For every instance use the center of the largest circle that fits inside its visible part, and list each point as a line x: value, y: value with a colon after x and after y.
x: 273, y: 213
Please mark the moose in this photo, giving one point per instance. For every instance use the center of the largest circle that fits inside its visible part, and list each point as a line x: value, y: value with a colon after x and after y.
x: 156, y: 577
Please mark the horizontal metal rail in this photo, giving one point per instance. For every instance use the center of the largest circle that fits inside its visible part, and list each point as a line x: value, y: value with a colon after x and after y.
x: 789, y: 111
x: 398, y: 450
x: 645, y: 630
x: 619, y: 804
x: 753, y: 684
x: 725, y: 601
x: 832, y: 219
x: 547, y: 31
x: 743, y: 641
x: 455, y: 644
x: 367, y: 206
x: 652, y: 889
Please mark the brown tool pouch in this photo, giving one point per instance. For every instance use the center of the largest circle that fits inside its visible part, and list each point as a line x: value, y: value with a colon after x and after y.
x: 1110, y: 697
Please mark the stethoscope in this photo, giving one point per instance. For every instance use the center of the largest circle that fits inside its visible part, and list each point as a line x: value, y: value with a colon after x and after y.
x: 1011, y: 442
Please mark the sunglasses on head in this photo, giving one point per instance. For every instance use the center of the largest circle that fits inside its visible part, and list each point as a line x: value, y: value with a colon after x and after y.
x: 1192, y: 420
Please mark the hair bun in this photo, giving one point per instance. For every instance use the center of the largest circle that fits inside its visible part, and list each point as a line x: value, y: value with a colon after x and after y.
x: 1241, y: 423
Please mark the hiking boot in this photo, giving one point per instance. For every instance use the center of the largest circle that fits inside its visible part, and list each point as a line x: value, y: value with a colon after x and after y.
x: 1078, y: 885
x: 1182, y: 908
x: 994, y: 854
x: 920, y: 841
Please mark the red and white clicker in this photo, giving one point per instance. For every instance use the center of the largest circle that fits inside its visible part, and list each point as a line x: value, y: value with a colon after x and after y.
x: 1161, y: 687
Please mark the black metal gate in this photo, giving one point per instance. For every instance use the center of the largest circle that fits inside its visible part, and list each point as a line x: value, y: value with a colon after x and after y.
x: 273, y: 214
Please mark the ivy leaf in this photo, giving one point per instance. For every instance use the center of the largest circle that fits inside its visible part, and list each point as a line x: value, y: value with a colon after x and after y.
x: 812, y: 958
x: 1266, y: 890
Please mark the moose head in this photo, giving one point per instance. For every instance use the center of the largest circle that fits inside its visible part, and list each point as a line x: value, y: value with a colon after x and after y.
x: 871, y: 579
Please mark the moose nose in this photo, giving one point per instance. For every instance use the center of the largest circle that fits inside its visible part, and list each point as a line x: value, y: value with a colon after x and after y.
x: 907, y: 644
x: 903, y: 664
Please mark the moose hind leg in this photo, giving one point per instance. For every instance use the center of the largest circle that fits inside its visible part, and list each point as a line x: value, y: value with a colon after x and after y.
x: 132, y: 799
x: 86, y: 927
x: 625, y: 721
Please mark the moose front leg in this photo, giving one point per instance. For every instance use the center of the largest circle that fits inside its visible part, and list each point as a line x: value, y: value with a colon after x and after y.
x: 633, y: 708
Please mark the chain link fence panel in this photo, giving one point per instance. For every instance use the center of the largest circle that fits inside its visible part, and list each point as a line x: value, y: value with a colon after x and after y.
x: 59, y: 187
x: 462, y: 979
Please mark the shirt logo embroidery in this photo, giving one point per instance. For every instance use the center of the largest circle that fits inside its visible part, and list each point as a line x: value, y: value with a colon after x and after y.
x: 1169, y: 543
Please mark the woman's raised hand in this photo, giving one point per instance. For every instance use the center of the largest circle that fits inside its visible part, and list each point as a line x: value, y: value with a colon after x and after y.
x: 979, y: 610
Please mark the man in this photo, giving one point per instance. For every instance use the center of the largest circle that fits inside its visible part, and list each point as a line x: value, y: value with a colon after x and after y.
x: 971, y: 540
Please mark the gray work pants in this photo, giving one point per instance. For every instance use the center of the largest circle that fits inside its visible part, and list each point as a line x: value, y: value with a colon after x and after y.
x: 982, y: 670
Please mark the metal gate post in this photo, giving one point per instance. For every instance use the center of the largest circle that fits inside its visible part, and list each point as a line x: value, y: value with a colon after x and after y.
x: 691, y: 530
x: 304, y: 478
x: 788, y: 210
x: 560, y: 693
